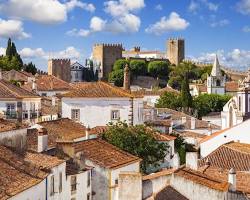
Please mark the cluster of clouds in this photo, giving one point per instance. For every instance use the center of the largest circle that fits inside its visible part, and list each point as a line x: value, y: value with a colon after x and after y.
x: 39, y: 11
x: 236, y: 58
x: 196, y: 5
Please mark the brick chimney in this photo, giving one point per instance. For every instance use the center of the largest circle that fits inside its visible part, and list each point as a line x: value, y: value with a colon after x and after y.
x: 42, y: 140
x: 126, y: 83
x: 232, y: 179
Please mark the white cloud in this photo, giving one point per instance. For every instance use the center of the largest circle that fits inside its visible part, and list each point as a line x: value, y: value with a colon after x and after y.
x: 13, y: 29
x: 243, y: 7
x: 220, y: 23
x: 246, y: 29
x: 97, y: 24
x: 81, y: 32
x: 42, y: 11
x: 158, y: 7
x: 121, y: 7
x: 237, y: 58
x: 168, y: 24
x: 70, y: 52
x: 2, y: 51
x: 193, y: 6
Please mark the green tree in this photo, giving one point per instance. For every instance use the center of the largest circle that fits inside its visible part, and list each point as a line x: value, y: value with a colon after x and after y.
x: 9, y: 49
x: 206, y: 103
x: 120, y: 64
x: 186, y: 97
x: 169, y: 100
x: 138, y: 67
x: 139, y: 141
x: 158, y: 69
x: 117, y: 77
x: 31, y: 68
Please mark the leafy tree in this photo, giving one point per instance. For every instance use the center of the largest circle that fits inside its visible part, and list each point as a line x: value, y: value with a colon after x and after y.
x: 138, y: 67
x: 175, y: 82
x: 139, y: 141
x: 169, y: 100
x: 117, y: 77
x: 206, y: 103
x: 186, y: 97
x: 31, y: 68
x: 158, y: 69
x: 120, y: 64
x: 9, y: 49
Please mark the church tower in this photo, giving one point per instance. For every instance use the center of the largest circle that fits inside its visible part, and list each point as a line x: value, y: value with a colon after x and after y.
x: 216, y: 81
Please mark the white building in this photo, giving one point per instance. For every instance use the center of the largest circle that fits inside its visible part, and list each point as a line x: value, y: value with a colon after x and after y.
x: 76, y: 72
x: 47, y: 85
x: 237, y: 133
x: 98, y: 103
x: 18, y: 104
x: 237, y: 109
x: 216, y: 82
x: 137, y: 53
x: 107, y: 161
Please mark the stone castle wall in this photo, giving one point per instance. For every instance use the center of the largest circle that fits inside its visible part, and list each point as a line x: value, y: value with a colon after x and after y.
x: 176, y: 50
x: 60, y: 68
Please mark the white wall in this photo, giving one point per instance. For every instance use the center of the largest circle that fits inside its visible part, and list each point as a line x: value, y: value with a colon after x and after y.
x: 52, y: 93
x: 238, y: 133
x: 97, y: 111
x: 151, y: 99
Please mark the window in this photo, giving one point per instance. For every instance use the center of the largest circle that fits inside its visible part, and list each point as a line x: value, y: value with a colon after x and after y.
x: 10, y: 107
x: 44, y: 94
x: 88, y: 196
x: 32, y: 106
x: 115, y: 114
x: 52, y: 185
x: 75, y: 114
x: 73, y: 184
x: 88, y: 181
x: 218, y: 83
x: 116, y: 181
x: 60, y: 182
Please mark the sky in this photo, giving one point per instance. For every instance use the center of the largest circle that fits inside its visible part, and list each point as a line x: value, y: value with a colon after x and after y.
x: 44, y: 29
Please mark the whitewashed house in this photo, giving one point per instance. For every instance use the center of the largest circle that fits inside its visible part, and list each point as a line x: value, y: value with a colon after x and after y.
x: 47, y: 85
x: 76, y: 70
x: 98, y: 103
x: 18, y: 104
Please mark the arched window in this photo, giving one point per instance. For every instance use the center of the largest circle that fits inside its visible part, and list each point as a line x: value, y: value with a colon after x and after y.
x: 239, y: 103
x: 217, y: 82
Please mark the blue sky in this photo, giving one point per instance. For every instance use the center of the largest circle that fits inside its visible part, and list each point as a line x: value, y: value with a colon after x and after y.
x: 43, y: 29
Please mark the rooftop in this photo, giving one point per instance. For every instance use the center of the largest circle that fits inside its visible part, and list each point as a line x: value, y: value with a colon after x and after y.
x: 96, y: 90
x: 16, y: 174
x: 48, y: 83
x: 16, y: 75
x: 104, y: 154
x: 231, y: 155
x: 169, y: 193
x: 231, y: 86
x: 6, y: 125
x: 164, y: 172
x: 9, y: 90
x: 203, y: 179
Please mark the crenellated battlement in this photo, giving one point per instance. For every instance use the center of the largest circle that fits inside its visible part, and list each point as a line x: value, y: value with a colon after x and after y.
x: 176, y: 39
x: 60, y: 60
x: 109, y: 45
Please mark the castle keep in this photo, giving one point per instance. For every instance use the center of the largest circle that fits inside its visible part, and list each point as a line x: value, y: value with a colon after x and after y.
x: 106, y: 55
x: 175, y: 50
x: 60, y: 68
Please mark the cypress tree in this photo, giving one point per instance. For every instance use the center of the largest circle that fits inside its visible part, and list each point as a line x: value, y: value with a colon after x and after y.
x: 186, y: 97
x: 9, y: 49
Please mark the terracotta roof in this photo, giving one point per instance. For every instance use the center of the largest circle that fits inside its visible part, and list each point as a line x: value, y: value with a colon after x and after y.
x: 242, y: 178
x: 231, y: 86
x: 203, y: 179
x: 16, y: 75
x: 9, y: 90
x: 6, y: 125
x: 42, y: 160
x: 17, y: 175
x: 213, y: 115
x: 104, y: 154
x: 61, y: 130
x: 98, y: 130
x: 164, y: 172
x: 163, y: 122
x: 191, y: 134
x: 169, y: 193
x: 48, y: 83
x: 232, y: 155
x: 96, y: 90
x: 163, y: 137
x: 47, y: 108
x: 213, y: 135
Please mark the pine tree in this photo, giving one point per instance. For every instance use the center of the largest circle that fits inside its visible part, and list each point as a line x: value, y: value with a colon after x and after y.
x: 186, y: 97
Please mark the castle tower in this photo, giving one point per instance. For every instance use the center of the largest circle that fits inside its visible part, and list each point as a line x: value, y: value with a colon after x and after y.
x: 126, y: 81
x: 60, y: 68
x: 176, y: 50
x: 106, y: 55
x: 216, y: 82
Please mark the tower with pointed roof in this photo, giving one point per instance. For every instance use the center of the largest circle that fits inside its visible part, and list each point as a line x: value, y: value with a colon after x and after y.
x: 216, y: 81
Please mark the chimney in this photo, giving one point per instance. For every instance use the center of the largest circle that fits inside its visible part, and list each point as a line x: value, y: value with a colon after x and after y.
x: 126, y: 83
x: 192, y: 160
x: 42, y: 141
x: 192, y: 123
x: 87, y: 133
x: 232, y: 179
x: 34, y: 87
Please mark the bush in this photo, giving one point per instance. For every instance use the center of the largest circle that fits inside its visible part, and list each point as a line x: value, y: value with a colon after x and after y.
x: 117, y: 77
x: 169, y: 100
x: 138, y: 67
x: 158, y: 69
x: 120, y: 64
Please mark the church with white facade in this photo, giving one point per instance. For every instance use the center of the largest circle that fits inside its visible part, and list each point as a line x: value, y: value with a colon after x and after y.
x: 216, y: 81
